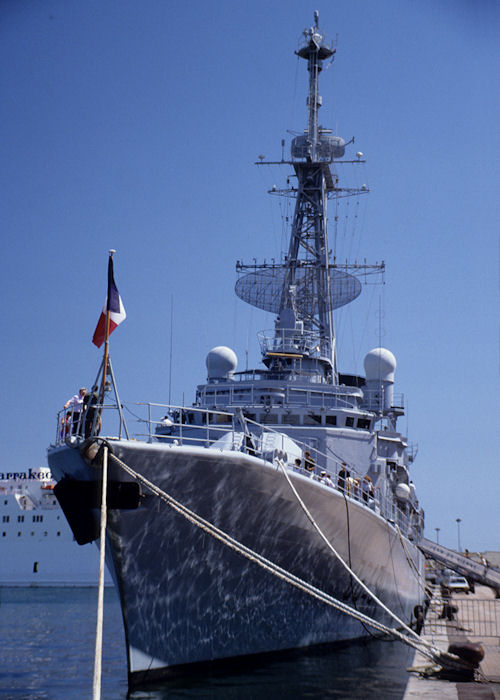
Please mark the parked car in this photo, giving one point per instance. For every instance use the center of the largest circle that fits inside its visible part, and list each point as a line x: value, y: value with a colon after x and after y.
x: 457, y: 584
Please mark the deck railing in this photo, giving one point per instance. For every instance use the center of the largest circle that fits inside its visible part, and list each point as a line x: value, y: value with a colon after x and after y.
x: 180, y: 425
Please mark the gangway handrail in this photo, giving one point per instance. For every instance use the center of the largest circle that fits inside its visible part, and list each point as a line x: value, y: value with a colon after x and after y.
x: 481, y: 573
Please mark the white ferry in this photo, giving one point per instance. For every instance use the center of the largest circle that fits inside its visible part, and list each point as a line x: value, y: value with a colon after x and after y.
x: 37, y: 546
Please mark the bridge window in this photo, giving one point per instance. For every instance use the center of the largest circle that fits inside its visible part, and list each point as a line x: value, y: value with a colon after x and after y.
x: 331, y: 420
x: 349, y: 421
x: 364, y: 423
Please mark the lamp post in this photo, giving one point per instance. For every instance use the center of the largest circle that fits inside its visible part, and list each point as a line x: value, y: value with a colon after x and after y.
x: 459, y: 520
x: 437, y: 529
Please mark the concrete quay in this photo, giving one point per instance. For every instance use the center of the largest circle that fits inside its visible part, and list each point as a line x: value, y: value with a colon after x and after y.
x: 477, y: 621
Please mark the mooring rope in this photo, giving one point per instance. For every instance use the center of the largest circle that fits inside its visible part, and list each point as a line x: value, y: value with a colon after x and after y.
x: 313, y: 522
x: 96, y: 687
x: 418, y: 644
x: 418, y: 575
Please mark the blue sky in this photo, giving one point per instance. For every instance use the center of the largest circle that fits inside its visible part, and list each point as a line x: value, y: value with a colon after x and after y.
x: 135, y: 126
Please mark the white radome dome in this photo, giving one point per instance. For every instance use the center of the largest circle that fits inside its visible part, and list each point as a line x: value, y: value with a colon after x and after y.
x: 380, y: 364
x: 221, y: 362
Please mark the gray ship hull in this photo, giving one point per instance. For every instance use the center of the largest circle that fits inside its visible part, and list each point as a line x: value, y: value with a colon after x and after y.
x: 187, y: 597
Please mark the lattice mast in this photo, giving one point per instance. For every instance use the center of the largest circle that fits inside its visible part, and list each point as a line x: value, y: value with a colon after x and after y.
x: 309, y: 230
x: 305, y: 290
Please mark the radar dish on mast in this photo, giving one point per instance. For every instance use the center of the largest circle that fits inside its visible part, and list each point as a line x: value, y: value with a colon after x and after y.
x: 264, y: 289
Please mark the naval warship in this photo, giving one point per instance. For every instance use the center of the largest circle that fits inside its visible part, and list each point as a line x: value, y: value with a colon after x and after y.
x: 277, y: 510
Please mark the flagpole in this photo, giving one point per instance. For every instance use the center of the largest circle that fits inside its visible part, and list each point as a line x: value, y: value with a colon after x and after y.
x: 100, y: 601
x: 106, y: 341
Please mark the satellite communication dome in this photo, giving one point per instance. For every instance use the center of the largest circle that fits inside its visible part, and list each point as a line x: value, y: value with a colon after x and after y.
x: 221, y: 362
x: 380, y: 364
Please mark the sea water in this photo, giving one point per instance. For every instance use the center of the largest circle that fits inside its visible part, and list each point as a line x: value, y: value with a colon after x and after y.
x: 47, y: 638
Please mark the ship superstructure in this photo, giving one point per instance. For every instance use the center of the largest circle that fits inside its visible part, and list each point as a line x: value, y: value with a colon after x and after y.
x: 226, y: 517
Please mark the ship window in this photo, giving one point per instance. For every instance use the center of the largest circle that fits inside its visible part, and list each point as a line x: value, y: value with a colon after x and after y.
x: 58, y: 534
x: 5, y: 518
x: 331, y: 420
x: 224, y: 419
x: 269, y: 418
x: 20, y: 518
x: 45, y: 533
x: 35, y: 567
x: 293, y: 420
x: 364, y: 423
x: 250, y: 416
x: 349, y: 421
x: 3, y: 534
x: 312, y: 420
x: 5, y: 503
x: 19, y: 534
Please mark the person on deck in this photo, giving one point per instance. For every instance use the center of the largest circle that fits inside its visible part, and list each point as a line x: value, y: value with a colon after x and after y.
x: 90, y: 402
x: 342, y: 477
x: 75, y: 404
x: 308, y: 462
x: 367, y: 488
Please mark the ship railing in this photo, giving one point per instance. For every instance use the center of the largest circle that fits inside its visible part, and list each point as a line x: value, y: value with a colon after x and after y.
x: 289, y: 343
x: 181, y: 425
x: 76, y: 426
x: 332, y: 471
x: 374, y: 400
x: 70, y: 424
x: 279, y: 396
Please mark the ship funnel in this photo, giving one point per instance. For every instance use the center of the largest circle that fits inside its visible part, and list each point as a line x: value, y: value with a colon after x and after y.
x: 380, y: 365
x: 221, y: 363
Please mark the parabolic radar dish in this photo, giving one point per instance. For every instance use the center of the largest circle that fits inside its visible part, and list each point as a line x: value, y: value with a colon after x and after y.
x: 264, y: 289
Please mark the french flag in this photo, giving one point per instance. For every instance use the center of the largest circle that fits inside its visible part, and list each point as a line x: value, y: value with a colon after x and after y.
x: 113, y: 305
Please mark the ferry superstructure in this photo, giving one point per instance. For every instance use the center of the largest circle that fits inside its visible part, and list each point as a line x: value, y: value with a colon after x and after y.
x: 37, y: 546
x: 235, y: 522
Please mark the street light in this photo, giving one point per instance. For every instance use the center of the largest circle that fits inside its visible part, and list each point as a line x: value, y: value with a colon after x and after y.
x: 459, y: 520
x: 437, y: 529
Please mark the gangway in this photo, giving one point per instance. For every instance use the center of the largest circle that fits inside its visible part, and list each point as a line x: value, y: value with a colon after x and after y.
x: 481, y: 573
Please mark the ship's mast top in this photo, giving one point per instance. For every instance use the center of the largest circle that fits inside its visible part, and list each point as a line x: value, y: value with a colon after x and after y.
x: 314, y: 51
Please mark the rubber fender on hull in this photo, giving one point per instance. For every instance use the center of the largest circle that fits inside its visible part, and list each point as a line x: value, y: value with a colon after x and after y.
x: 80, y: 499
